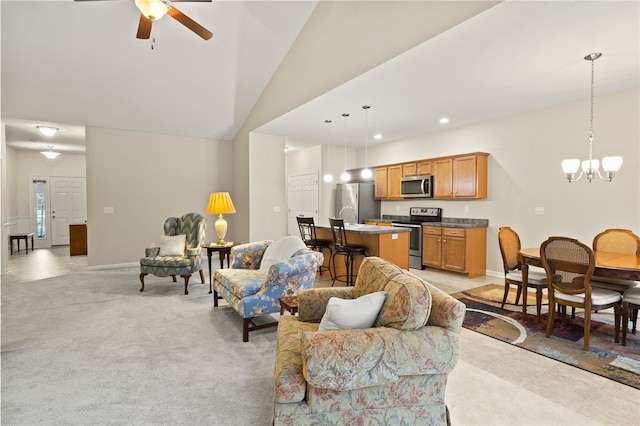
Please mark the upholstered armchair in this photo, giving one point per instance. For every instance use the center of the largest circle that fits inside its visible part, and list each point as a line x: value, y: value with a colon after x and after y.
x: 261, y: 274
x: 180, y: 252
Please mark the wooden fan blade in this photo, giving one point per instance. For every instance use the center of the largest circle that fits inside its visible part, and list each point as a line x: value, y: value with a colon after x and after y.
x: 190, y: 23
x: 144, y: 27
x: 191, y: 1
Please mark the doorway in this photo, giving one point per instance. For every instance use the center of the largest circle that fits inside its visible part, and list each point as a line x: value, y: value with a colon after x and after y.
x: 57, y: 202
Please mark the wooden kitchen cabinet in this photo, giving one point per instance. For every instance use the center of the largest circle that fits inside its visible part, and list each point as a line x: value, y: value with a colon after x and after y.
x: 443, y: 178
x: 461, y: 177
x: 387, y: 182
x: 369, y: 222
x: 424, y: 168
x: 409, y: 169
x: 455, y: 249
x: 381, y: 182
x: 394, y: 174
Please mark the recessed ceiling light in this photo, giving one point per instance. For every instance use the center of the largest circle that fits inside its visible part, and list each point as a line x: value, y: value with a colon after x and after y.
x: 444, y: 120
x: 48, y: 130
x: 377, y: 136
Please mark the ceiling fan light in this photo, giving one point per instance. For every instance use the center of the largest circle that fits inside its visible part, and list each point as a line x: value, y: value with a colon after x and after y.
x: 152, y: 9
x: 47, y: 130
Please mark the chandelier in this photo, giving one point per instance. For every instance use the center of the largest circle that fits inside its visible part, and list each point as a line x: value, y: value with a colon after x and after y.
x: 590, y: 167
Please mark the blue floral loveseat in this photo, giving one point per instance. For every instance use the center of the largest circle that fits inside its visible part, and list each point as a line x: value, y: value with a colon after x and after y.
x: 263, y: 272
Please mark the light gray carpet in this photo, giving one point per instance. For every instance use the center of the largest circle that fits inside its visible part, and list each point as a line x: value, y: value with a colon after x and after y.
x: 89, y: 348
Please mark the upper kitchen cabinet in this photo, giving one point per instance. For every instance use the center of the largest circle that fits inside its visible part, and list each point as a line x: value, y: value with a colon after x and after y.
x: 387, y: 180
x: 424, y: 167
x: 418, y: 168
x: 462, y: 176
x: 380, y: 177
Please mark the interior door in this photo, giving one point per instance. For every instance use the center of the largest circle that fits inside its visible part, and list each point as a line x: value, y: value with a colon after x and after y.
x: 68, y: 206
x: 303, y: 198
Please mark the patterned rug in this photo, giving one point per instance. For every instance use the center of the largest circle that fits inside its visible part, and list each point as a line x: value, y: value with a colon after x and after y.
x: 605, y: 357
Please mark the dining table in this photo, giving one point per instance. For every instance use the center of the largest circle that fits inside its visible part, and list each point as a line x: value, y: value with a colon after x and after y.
x: 608, y: 265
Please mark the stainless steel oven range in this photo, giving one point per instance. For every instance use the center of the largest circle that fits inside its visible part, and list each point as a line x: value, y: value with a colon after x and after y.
x: 417, y: 216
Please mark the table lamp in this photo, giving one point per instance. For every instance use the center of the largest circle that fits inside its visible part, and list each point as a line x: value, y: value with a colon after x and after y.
x: 220, y: 203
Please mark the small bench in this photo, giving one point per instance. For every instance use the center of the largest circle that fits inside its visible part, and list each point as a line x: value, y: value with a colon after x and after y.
x: 19, y: 237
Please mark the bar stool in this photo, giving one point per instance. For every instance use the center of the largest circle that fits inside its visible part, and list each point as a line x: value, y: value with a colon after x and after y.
x: 630, y: 300
x: 308, y: 234
x: 344, y: 249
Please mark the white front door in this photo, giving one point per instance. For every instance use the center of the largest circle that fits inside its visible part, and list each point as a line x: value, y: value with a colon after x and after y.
x: 68, y: 206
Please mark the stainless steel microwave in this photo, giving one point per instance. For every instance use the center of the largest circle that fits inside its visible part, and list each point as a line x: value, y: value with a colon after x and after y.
x: 417, y: 187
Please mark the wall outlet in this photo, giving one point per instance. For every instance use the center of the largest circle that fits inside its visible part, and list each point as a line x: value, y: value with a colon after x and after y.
x: 108, y: 210
x: 397, y: 208
x: 276, y: 209
x: 539, y: 210
x: 152, y: 245
x: 466, y: 209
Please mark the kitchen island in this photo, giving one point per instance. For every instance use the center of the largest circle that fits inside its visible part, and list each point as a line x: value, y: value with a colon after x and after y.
x: 389, y: 243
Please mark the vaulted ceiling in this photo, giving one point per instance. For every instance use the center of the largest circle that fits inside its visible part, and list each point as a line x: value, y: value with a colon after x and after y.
x: 72, y: 64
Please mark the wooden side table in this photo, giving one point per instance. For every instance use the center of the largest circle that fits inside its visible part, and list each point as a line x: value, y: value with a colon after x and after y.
x: 289, y: 303
x: 223, y: 252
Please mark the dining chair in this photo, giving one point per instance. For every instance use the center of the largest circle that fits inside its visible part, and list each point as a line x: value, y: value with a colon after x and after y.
x: 307, y: 228
x: 621, y: 241
x: 343, y: 248
x: 569, y: 265
x: 509, y: 242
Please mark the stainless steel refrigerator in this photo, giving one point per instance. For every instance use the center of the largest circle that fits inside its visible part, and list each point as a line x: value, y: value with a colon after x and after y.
x: 355, y: 202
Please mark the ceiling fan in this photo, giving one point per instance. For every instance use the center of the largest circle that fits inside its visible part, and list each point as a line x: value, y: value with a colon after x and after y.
x: 152, y: 10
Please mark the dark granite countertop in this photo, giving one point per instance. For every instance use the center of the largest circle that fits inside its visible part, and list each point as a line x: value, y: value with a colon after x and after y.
x: 369, y: 229
x: 447, y: 222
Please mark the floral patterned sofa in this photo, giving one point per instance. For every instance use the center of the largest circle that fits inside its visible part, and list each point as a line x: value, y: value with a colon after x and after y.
x: 256, y: 281
x: 394, y: 373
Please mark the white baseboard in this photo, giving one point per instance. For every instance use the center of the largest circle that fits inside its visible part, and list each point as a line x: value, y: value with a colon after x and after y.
x: 113, y: 266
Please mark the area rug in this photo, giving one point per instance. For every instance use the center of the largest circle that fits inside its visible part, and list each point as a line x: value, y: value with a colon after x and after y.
x: 605, y: 357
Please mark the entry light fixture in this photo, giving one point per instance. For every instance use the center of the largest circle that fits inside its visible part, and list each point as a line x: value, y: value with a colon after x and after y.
x: 366, y: 172
x: 50, y: 154
x: 590, y: 167
x: 220, y: 203
x: 48, y: 130
x: 345, y: 176
x: 152, y: 9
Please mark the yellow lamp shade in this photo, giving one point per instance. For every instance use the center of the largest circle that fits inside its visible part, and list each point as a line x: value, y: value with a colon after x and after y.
x: 220, y: 203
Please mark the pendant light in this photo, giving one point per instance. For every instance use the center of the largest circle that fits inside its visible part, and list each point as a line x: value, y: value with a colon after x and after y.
x: 590, y: 167
x: 345, y: 177
x: 366, y: 172
x: 328, y: 177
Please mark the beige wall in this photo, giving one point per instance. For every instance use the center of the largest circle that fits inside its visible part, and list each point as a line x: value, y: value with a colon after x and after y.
x: 22, y: 164
x: 340, y: 41
x: 267, y: 187
x: 146, y: 178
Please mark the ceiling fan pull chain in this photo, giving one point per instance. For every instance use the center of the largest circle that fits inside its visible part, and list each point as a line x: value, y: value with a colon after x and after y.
x: 153, y: 41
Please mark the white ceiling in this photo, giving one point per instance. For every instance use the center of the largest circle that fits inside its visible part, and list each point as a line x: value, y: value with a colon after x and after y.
x: 79, y: 63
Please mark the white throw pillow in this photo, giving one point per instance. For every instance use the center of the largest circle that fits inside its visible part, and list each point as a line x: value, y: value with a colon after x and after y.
x: 280, y: 250
x: 352, y: 313
x: 172, y: 245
